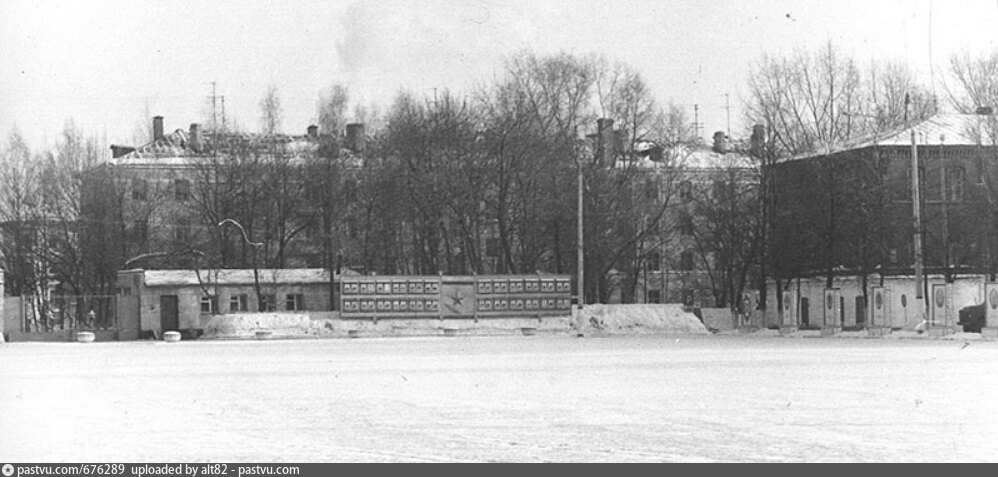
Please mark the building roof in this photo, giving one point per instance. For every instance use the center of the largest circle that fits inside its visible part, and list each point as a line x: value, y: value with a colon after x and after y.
x: 286, y: 276
x: 946, y: 129
x: 690, y: 157
x: 176, y: 148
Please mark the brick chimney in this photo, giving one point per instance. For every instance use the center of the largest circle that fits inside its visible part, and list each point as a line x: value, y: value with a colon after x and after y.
x: 355, y: 137
x: 607, y: 141
x: 196, y: 140
x: 720, y: 142
x: 758, y: 140
x: 157, y: 128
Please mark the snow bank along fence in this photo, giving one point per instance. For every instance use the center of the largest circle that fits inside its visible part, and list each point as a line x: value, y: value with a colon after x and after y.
x: 478, y: 297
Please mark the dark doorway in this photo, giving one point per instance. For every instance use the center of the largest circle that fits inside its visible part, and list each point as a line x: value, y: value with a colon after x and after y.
x: 169, y: 313
x: 805, y: 312
x: 860, y: 310
x: 842, y: 311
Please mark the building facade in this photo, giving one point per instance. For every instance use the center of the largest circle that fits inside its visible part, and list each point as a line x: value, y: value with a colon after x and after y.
x: 698, y: 205
x: 844, y: 221
x: 153, y: 301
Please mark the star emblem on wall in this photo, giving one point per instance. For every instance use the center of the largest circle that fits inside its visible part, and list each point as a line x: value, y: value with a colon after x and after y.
x: 457, y: 298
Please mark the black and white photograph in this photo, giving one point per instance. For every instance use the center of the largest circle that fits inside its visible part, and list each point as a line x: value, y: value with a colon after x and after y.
x: 253, y: 237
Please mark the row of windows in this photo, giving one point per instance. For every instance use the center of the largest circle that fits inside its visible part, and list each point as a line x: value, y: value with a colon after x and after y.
x: 686, y: 225
x: 181, y: 231
x: 687, y: 261
x: 181, y: 189
x: 949, y: 185
x: 719, y: 191
x: 240, y: 303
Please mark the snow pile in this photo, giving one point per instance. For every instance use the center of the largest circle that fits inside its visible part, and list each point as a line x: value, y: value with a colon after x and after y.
x: 623, y: 319
x: 962, y: 335
x: 852, y: 334
x: 325, y: 324
x: 246, y: 325
x: 718, y: 318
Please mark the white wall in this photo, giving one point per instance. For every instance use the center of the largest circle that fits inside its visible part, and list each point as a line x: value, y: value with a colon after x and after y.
x: 903, y: 309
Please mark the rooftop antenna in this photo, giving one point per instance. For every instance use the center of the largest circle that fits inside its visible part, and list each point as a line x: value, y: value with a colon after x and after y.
x: 727, y: 109
x: 907, y: 104
x: 214, y: 114
x: 696, y: 121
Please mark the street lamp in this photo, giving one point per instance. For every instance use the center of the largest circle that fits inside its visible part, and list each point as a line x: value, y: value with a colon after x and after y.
x: 241, y: 229
x: 256, y: 271
x: 580, y: 249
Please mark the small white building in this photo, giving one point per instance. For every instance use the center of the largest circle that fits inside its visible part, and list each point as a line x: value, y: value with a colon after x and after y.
x: 163, y: 300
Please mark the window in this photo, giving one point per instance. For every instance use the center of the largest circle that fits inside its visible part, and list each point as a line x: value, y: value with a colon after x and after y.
x: 652, y: 226
x: 125, y: 291
x: 689, y: 297
x: 654, y: 296
x: 140, y: 231
x: 492, y: 248
x: 182, y: 230
x: 268, y: 302
x: 685, y: 224
x: 350, y: 190
x: 209, y: 304
x: 651, y: 189
x: 352, y: 229
x: 805, y: 311
x: 182, y: 189
x: 685, y: 190
x: 686, y: 261
x: 140, y: 189
x: 238, y: 302
x: 720, y: 190
x: 906, y: 193
x: 654, y: 261
x: 294, y: 302
x: 955, y: 178
x: 842, y: 310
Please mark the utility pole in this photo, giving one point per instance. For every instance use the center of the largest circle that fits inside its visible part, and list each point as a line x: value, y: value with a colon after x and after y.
x: 214, y: 114
x: 580, y: 248
x: 727, y: 109
x: 917, y: 212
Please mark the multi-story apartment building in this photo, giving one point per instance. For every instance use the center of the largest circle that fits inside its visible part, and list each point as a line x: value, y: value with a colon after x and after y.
x: 699, y: 210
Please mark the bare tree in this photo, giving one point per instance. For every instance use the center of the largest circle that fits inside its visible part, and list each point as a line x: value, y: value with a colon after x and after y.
x: 19, y: 209
x: 976, y: 91
x: 977, y: 81
x: 724, y: 225
x: 271, y: 112
x: 808, y: 103
x: 895, y: 97
x: 809, y: 100
x: 331, y: 109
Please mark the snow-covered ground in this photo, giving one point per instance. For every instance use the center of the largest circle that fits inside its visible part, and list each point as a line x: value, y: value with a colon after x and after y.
x: 509, y: 398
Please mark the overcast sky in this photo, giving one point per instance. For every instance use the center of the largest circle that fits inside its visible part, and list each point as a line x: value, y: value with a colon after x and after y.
x: 101, y: 62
